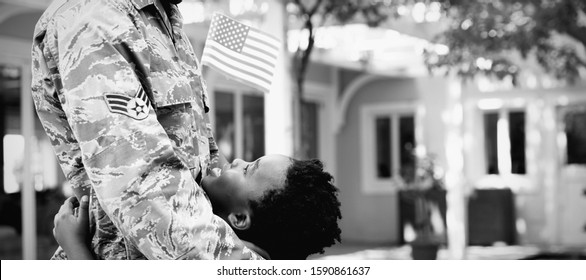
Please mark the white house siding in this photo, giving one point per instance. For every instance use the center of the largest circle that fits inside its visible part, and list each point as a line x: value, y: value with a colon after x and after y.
x: 367, y: 218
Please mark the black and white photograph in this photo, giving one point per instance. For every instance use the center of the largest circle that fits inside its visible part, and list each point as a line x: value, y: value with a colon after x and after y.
x: 320, y: 130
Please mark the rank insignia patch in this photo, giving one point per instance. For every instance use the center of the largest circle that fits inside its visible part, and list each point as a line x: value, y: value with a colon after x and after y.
x: 136, y: 107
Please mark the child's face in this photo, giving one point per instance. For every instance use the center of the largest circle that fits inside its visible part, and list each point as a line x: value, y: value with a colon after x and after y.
x: 242, y: 181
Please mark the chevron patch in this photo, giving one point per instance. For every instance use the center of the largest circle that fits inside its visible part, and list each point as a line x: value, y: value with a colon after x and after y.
x: 136, y: 107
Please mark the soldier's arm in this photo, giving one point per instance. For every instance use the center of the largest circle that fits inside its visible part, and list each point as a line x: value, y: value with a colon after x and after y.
x: 138, y: 179
x: 45, y: 85
x: 53, y: 119
x: 217, y: 159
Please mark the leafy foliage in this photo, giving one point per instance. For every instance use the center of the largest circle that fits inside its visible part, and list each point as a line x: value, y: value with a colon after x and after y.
x: 315, y: 13
x: 553, y: 32
x: 490, y: 37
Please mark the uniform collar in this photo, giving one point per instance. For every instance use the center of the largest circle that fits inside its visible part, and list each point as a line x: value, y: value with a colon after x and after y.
x: 174, y: 17
x: 173, y: 20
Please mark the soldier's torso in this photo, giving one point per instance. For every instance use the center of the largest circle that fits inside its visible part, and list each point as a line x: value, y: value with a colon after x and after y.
x: 170, y: 74
x: 176, y: 87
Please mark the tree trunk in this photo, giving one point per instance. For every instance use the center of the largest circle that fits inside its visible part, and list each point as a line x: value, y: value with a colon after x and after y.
x: 301, y: 62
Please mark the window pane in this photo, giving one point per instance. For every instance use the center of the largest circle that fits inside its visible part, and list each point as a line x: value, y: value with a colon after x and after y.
x: 309, y: 130
x: 253, y: 121
x: 383, y: 147
x: 406, y: 145
x: 490, y: 142
x: 517, y: 138
x: 575, y: 121
x: 224, y: 103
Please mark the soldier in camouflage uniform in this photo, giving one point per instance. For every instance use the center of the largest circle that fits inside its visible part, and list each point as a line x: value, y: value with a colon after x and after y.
x: 119, y: 92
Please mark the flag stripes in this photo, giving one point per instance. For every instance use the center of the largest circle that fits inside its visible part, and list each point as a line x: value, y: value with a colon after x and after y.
x: 259, y: 68
x: 228, y: 68
x: 266, y: 40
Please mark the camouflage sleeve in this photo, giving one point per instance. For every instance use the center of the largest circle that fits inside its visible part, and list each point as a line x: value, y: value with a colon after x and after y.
x: 53, y: 119
x: 216, y: 158
x: 139, y: 181
x: 59, y: 255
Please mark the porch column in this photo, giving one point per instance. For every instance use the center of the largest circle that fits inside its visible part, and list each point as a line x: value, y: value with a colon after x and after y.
x: 29, y: 226
x: 278, y: 103
x: 550, y: 162
x: 454, y: 178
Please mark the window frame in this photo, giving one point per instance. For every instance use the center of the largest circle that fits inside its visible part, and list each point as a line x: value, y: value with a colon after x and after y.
x: 371, y: 184
x: 238, y: 93
x: 503, y: 114
x: 562, y: 112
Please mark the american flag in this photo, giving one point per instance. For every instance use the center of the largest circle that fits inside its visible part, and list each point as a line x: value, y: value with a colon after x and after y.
x: 241, y: 52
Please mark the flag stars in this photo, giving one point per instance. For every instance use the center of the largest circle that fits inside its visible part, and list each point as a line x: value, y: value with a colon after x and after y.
x: 228, y: 33
x: 226, y: 53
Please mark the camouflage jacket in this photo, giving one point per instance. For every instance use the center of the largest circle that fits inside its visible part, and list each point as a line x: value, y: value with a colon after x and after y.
x: 118, y: 90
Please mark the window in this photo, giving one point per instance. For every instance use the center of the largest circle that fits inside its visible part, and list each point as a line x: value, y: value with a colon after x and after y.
x: 575, y: 129
x: 253, y: 127
x: 384, y: 164
x: 309, y: 130
x: 388, y: 143
x: 239, y: 124
x: 504, y: 142
x: 517, y: 139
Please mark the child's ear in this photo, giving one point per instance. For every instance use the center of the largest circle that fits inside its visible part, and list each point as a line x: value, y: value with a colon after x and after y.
x: 239, y: 220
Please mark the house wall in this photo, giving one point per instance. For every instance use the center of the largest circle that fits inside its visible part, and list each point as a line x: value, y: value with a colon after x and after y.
x: 548, y: 201
x: 319, y: 73
x: 374, y: 218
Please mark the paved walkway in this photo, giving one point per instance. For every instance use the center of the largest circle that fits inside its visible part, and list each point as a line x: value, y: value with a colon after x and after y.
x: 370, y: 252
x: 10, y: 248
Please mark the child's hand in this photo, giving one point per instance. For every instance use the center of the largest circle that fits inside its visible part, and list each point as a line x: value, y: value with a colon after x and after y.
x: 72, y: 224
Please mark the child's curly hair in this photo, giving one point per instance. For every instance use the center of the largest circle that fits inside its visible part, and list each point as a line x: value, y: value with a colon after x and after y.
x: 300, y: 219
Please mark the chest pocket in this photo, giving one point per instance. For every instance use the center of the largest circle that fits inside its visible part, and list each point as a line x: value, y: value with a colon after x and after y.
x: 181, y: 111
x: 178, y: 96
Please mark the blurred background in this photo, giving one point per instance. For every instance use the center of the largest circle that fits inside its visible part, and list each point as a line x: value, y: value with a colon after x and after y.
x: 454, y: 129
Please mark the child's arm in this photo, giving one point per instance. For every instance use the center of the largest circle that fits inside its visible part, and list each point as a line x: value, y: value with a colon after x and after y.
x: 72, y: 229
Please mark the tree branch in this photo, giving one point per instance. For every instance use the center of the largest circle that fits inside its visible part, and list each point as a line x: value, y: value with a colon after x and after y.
x: 578, y: 33
x: 304, y: 55
x: 301, y: 6
x: 304, y: 11
x: 315, y: 7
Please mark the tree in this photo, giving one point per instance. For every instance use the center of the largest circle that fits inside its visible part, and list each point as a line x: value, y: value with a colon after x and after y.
x: 315, y: 13
x: 493, y: 37
x: 489, y: 37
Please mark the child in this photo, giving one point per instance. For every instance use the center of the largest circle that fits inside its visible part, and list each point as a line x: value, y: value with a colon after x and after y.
x: 281, y: 207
